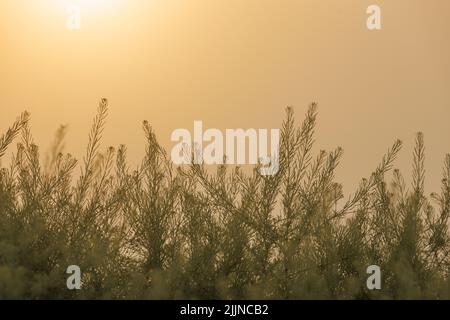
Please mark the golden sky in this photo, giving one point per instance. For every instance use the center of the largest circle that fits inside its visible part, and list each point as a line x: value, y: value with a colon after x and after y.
x: 233, y: 63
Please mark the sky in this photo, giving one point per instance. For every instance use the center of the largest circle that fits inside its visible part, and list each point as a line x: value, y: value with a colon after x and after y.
x: 233, y: 64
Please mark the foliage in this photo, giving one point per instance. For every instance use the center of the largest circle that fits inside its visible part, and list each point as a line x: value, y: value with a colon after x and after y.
x: 160, y: 231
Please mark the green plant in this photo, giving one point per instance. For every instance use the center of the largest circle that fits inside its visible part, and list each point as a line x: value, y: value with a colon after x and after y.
x: 160, y: 231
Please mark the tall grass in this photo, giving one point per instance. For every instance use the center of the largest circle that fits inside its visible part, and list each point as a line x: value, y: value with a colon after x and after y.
x: 159, y: 231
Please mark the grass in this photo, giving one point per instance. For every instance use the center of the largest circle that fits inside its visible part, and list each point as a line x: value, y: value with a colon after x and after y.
x: 164, y: 232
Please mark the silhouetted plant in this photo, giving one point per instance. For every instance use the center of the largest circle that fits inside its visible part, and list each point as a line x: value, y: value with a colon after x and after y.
x: 161, y: 231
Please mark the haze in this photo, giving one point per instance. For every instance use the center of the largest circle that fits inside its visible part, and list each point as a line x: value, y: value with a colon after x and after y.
x: 231, y: 64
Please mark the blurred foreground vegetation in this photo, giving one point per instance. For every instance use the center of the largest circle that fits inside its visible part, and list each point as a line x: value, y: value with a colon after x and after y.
x: 165, y: 232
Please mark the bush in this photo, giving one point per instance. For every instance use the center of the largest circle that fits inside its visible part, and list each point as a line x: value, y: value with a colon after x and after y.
x: 160, y: 231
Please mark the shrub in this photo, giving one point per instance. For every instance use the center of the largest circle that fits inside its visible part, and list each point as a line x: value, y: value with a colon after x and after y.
x: 160, y: 231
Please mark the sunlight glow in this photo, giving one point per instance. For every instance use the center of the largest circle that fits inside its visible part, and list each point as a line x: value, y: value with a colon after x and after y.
x: 95, y: 5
